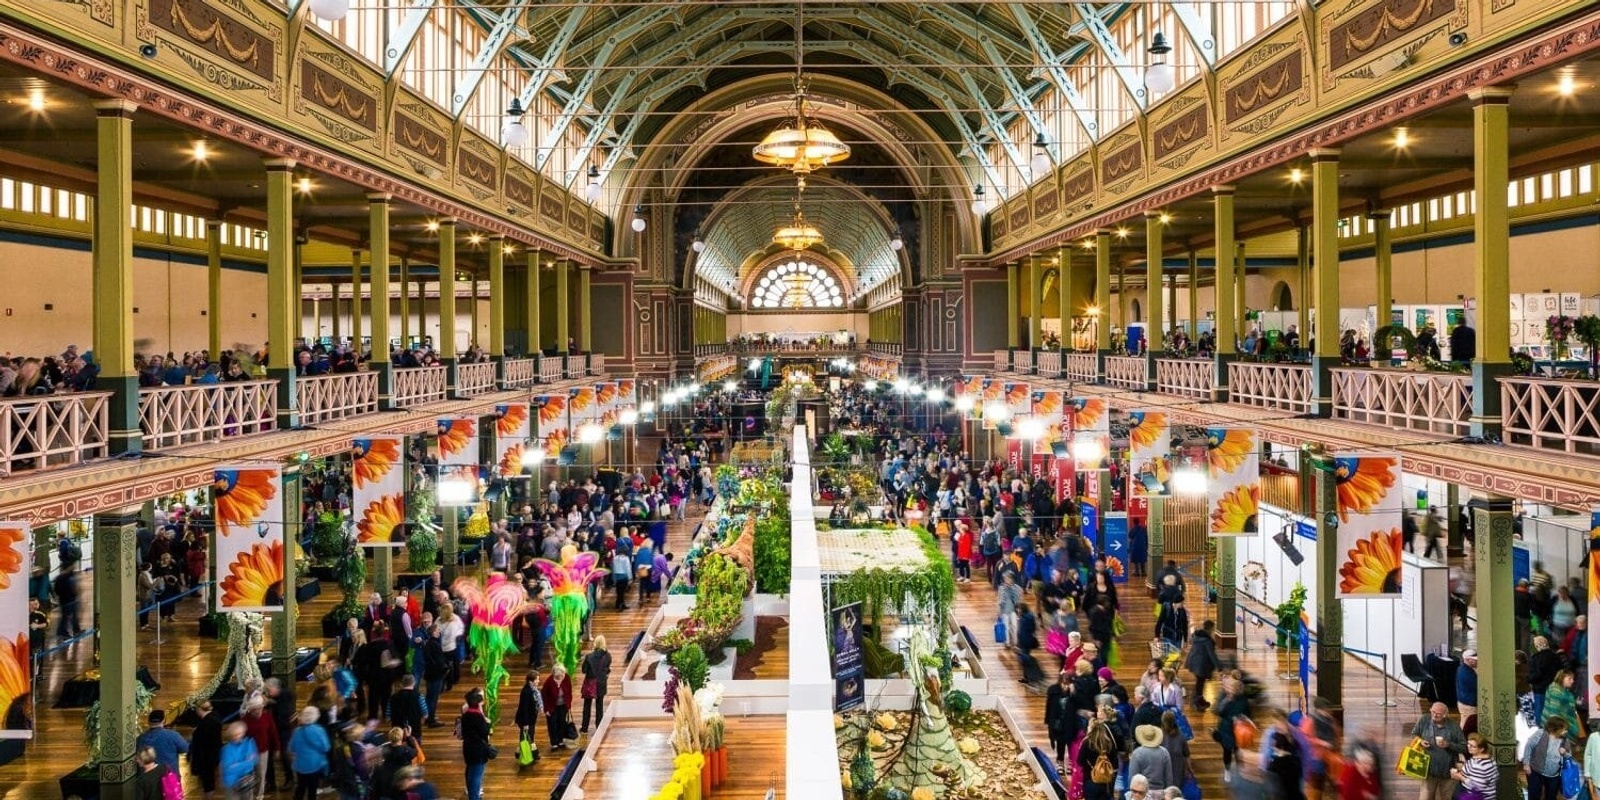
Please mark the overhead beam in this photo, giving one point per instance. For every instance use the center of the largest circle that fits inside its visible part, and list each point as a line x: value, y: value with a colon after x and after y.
x: 599, y: 128
x: 399, y: 45
x: 548, y: 68
x: 1199, y: 30
x: 1044, y: 54
x: 493, y: 45
x: 1096, y: 27
x: 1020, y: 97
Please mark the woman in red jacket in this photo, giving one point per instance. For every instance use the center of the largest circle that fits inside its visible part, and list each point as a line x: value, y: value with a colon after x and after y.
x: 963, y: 551
x: 557, y: 695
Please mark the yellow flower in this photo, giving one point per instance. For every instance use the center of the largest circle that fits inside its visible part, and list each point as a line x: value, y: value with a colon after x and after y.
x: 554, y: 441
x: 453, y: 436
x: 11, y: 557
x: 15, y: 676
x: 1373, y: 565
x: 1361, y: 483
x: 379, y: 520
x: 1235, y: 511
x: 241, y: 495
x: 255, y: 578
x: 1227, y: 448
x: 373, y: 460
x: 1146, y: 428
x: 509, y: 423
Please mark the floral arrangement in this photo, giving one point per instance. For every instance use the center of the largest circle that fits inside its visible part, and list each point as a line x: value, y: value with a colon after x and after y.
x: 569, y: 601
x: 1559, y: 329
x: 494, y: 606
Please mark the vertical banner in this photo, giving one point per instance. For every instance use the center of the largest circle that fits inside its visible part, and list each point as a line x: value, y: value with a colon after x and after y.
x: 16, y: 652
x: 1091, y: 522
x: 512, y: 429
x: 458, y: 460
x: 1014, y: 453
x: 378, y: 490
x: 553, y: 427
x: 581, y: 407
x: 1061, y: 477
x: 248, y: 505
x: 848, y: 664
x: 1592, y: 688
x: 1019, y: 399
x: 1369, y: 504
x: 1116, y: 545
x: 1149, y: 454
x: 1039, y: 465
x: 1233, y: 480
x: 628, y: 394
x: 1091, y: 434
x: 1050, y: 408
x: 607, y: 407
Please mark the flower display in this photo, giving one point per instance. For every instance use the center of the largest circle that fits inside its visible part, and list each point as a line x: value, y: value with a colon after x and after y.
x: 16, y: 678
x: 1087, y: 412
x: 552, y: 408
x: 380, y: 518
x: 992, y: 389
x: 1227, y: 449
x: 1145, y: 428
x: 1047, y: 403
x: 494, y: 606
x: 1373, y: 565
x: 372, y: 459
x: 1236, y: 511
x: 255, y: 578
x: 569, y: 601
x: 1115, y: 567
x: 1361, y: 483
x: 241, y: 495
x: 1017, y: 394
x: 510, y: 461
x: 581, y: 398
x: 604, y: 393
x: 12, y: 558
x: 554, y: 440
x: 1594, y: 565
x: 510, y: 420
x: 454, y: 434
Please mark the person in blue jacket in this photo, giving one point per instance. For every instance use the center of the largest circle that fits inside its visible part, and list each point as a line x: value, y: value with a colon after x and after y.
x: 238, y: 764
x: 308, y: 754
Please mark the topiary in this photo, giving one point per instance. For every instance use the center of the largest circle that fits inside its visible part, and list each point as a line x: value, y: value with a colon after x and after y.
x: 957, y: 701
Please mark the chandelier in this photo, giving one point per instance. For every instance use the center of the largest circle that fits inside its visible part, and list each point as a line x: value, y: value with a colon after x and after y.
x: 801, y: 145
x: 798, y: 234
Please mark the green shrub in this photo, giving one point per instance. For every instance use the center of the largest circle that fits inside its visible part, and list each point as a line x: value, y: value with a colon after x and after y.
x: 692, y: 666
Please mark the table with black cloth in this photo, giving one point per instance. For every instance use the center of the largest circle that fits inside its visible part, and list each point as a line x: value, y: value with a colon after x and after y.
x: 83, y: 690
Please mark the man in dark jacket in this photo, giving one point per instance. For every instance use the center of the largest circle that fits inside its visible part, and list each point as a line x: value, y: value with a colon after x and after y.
x: 407, y: 709
x: 1203, y: 661
x: 1144, y: 711
x: 1463, y: 344
x: 475, y: 749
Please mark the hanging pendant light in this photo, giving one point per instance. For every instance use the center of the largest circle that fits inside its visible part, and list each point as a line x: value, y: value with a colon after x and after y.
x: 980, y: 202
x: 798, y: 234
x: 1040, y: 161
x: 801, y: 144
x: 514, y: 134
x: 638, y: 219
x: 330, y: 10
x: 699, y: 245
x: 896, y: 243
x: 592, y: 191
x: 1159, y: 77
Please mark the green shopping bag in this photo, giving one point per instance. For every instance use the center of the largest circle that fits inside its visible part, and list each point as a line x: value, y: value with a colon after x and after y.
x: 1414, y: 760
x: 525, y: 753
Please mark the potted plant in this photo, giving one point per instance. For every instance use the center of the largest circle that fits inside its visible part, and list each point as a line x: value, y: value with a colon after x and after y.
x: 422, y: 533
x: 1390, y: 338
x: 1586, y: 329
x: 1289, y: 614
x: 327, y: 545
x: 351, y: 574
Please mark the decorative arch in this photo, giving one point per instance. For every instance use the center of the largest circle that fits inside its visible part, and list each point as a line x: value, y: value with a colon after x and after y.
x: 796, y: 283
x: 828, y: 264
x: 1281, y: 297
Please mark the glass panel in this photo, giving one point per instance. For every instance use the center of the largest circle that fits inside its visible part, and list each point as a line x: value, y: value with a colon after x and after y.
x: 8, y: 194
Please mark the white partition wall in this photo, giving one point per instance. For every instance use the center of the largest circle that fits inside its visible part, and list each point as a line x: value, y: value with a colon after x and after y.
x: 1559, y: 542
x: 812, y: 754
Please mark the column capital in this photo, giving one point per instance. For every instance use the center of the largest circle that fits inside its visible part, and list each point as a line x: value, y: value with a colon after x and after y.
x: 497, y: 237
x: 1324, y: 154
x: 379, y: 198
x: 1102, y: 233
x: 278, y: 164
x: 1491, y: 95
x: 1379, y: 215
x: 214, y: 224
x: 1223, y: 189
x: 447, y: 221
x: 1154, y: 214
x: 115, y: 108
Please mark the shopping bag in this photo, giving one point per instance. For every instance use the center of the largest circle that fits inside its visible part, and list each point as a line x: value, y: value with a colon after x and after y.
x: 1000, y: 630
x: 1571, y: 778
x: 1414, y: 760
x: 1191, y: 788
x: 1055, y: 641
x: 1183, y: 722
x: 525, y: 754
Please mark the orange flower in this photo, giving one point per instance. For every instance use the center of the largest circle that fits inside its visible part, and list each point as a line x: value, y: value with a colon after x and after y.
x: 15, y: 677
x: 1017, y: 393
x: 453, y: 436
x: 625, y: 389
x: 554, y: 441
x: 1086, y: 412
x: 992, y: 389
x: 373, y: 460
x: 1361, y: 483
x: 1235, y: 511
x: 1373, y: 565
x: 241, y: 495
x: 380, y: 519
x: 1145, y: 428
x: 604, y: 393
x: 552, y: 409
x: 581, y: 398
x: 511, y: 461
x: 1114, y: 566
x: 1046, y: 403
x: 1227, y: 448
x: 1594, y: 570
x: 11, y: 557
x: 255, y: 578
x: 511, y: 419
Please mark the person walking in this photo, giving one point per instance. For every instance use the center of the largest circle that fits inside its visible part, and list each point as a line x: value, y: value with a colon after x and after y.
x: 596, y: 668
x: 621, y: 574
x: 1231, y: 707
x: 308, y: 754
x: 1444, y: 741
x: 1177, y: 747
x: 475, y: 749
x: 1561, y: 702
x: 1150, y: 759
x: 1542, y: 758
x: 238, y: 764
x: 1009, y: 595
x: 530, y: 706
x: 205, y: 748
x: 1203, y: 661
x: 167, y: 743
x: 557, y: 697
x: 1060, y: 717
x: 1098, y: 759
x: 149, y: 784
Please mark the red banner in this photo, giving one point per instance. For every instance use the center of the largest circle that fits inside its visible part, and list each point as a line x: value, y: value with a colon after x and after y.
x: 1014, y: 453
x: 1138, y: 508
x: 1040, y: 464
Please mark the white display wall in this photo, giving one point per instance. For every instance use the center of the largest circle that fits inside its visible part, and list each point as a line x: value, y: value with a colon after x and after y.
x: 1418, y: 622
x: 1282, y: 573
x: 1559, y: 542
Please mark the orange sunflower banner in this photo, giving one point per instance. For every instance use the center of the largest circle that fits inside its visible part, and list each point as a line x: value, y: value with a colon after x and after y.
x: 1019, y: 399
x: 378, y: 502
x: 1091, y: 433
x: 458, y: 442
x: 16, y: 678
x: 1233, y: 485
x: 512, y: 429
x: 1369, y: 502
x: 1594, y: 597
x: 1149, y: 453
x: 552, y: 410
x: 248, y: 505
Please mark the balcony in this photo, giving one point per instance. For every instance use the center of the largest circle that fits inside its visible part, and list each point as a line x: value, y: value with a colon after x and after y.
x: 52, y: 430
x: 1186, y: 377
x: 1424, y: 401
x: 1280, y: 387
x: 1125, y: 372
x: 414, y: 386
x: 573, y: 367
x: 1081, y: 367
x: 177, y: 415
x: 1002, y: 361
x: 518, y: 372
x: 1551, y: 413
x: 1048, y: 364
x: 550, y: 368
x: 887, y: 349
x: 1022, y: 361
x: 326, y: 398
x: 473, y: 379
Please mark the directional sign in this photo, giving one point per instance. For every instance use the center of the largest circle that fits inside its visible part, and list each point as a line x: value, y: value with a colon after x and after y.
x: 1116, y: 527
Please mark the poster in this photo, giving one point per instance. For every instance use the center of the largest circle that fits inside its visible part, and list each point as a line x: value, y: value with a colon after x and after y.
x: 608, y: 409
x: 1019, y: 400
x: 248, y: 504
x: 628, y: 394
x: 16, y: 655
x: 512, y: 429
x: 1050, y: 408
x: 1013, y: 453
x: 1233, y: 480
x: 582, y: 408
x: 1149, y: 453
x: 1116, y: 546
x: 848, y: 666
x: 378, y: 493
x: 1091, y: 523
x: 458, y: 442
x: 1091, y: 433
x: 1368, y: 503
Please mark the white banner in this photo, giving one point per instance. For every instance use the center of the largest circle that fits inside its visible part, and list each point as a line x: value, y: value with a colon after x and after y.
x: 1091, y: 434
x: 458, y: 442
x: 512, y: 429
x: 1233, y: 480
x: 378, y: 496
x: 16, y: 656
x: 1369, y: 504
x: 1149, y: 453
x: 607, y: 404
x: 248, y: 504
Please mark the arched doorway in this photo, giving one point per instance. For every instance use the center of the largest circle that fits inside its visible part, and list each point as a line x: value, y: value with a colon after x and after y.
x: 1282, y: 299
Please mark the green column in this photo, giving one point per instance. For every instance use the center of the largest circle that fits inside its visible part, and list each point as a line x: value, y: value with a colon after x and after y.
x: 112, y: 284
x: 1013, y: 307
x: 497, y: 297
x: 338, y: 324
x: 214, y: 287
x: 447, y: 345
x: 422, y: 309
x: 1194, y: 296
x: 533, y: 303
x: 1227, y: 593
x: 1226, y: 290
x: 585, y: 309
x: 283, y: 638
x: 405, y: 303
x: 378, y: 211
x: 115, y: 561
x: 1330, y: 611
x: 1155, y: 312
x: 1303, y: 286
x: 1325, y: 259
x: 1035, y: 305
x: 472, y: 309
x: 1241, y: 274
x: 297, y: 263
x: 1497, y: 636
x: 355, y: 299
x: 1156, y: 551
x: 1064, y: 295
x: 1102, y: 301
x: 1383, y: 257
x: 283, y: 297
x: 563, y: 317
x: 1491, y: 230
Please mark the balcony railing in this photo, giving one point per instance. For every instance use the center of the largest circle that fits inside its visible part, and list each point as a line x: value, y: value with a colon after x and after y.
x: 325, y: 398
x: 1022, y: 361
x: 518, y: 372
x: 1186, y: 377
x: 572, y: 367
x: 890, y: 349
x: 1002, y: 361
x: 52, y: 430
x: 1283, y: 387
x: 708, y: 350
x: 178, y: 415
x: 550, y: 368
x: 1081, y: 367
x: 1048, y: 364
x: 414, y: 386
x: 1423, y: 401
x: 471, y: 380
x: 597, y: 363
x: 1553, y: 413
x: 1125, y: 372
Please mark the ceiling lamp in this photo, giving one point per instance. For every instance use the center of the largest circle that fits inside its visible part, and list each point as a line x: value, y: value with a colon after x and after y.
x: 980, y: 201
x: 1040, y: 161
x: 798, y: 234
x: 638, y: 219
x: 1159, y: 77
x: 896, y: 243
x: 592, y: 191
x: 514, y: 134
x: 801, y: 144
x: 699, y: 245
x: 330, y: 10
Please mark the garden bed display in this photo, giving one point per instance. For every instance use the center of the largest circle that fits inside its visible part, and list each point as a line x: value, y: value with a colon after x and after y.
x: 982, y: 737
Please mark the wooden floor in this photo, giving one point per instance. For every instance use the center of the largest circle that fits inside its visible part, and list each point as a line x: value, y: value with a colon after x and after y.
x: 636, y: 757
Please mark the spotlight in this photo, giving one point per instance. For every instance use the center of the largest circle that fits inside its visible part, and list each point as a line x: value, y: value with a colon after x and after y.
x: 996, y: 411
x: 455, y: 491
x: 934, y: 395
x: 1458, y: 38
x: 1088, y: 450
x: 1031, y: 429
x: 965, y: 403
x: 532, y: 457
x: 628, y: 417
x: 1189, y: 481
x: 589, y: 433
x: 147, y: 50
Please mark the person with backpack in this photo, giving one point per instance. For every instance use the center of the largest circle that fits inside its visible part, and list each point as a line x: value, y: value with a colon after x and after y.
x: 308, y: 754
x: 1172, y: 624
x: 989, y: 547
x: 155, y: 781
x: 1098, y: 759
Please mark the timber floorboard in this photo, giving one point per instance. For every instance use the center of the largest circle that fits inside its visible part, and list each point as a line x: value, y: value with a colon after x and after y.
x: 636, y: 758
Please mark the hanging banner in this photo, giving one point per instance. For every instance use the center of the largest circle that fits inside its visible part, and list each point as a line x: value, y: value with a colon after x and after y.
x: 1061, y: 477
x: 628, y: 394
x: 553, y: 429
x: 1233, y: 480
x: 1091, y: 433
x: 378, y: 490
x: 248, y: 505
x: 16, y: 651
x: 581, y: 406
x: 1594, y: 602
x: 993, y: 394
x: 1019, y: 399
x: 1039, y: 465
x: 1049, y: 407
x: 607, y: 408
x: 848, y: 663
x: 1149, y: 454
x: 458, y: 442
x: 1369, y: 505
x: 512, y: 429
x: 1013, y: 453
x: 1116, y: 545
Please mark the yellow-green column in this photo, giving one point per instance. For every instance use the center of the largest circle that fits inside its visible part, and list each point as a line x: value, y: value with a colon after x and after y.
x: 422, y: 309
x: 1492, y: 521
x: 405, y: 303
x: 214, y: 287
x: 448, y: 347
x: 355, y: 299
x: 1303, y: 269
x: 1155, y: 313
x: 497, y: 297
x: 1013, y: 307
x: 1325, y: 258
x: 585, y: 309
x: 472, y: 308
x: 563, y: 317
x: 283, y: 299
x: 378, y: 236
x: 1491, y: 230
x: 1225, y: 294
x: 533, y: 303
x: 338, y: 325
x: 1241, y: 275
x: 1102, y: 300
x: 1383, y: 258
x: 116, y: 558
x: 1064, y: 295
x: 1194, y: 296
x: 283, y: 638
x: 1035, y: 305
x: 297, y: 286
x: 113, y: 273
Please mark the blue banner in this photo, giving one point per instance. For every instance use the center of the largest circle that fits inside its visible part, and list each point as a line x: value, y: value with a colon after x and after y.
x: 847, y: 658
x: 1521, y: 563
x: 1305, y: 662
x: 1305, y: 529
x: 1116, y: 531
x: 1091, y: 525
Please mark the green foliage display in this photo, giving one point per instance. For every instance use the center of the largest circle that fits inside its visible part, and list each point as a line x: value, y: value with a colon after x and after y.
x: 772, y: 554
x: 957, y: 701
x: 692, y: 666
x: 327, y: 537
x: 877, y: 589
x: 422, y: 534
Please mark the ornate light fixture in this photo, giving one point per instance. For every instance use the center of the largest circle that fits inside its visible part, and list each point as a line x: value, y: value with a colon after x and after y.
x: 798, y: 234
x: 515, y: 133
x: 801, y: 144
x: 592, y: 191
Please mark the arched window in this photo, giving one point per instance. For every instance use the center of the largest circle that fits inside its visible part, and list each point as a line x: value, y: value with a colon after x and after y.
x: 797, y: 284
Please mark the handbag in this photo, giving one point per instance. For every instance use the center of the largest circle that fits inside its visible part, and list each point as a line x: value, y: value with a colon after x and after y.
x: 1191, y: 787
x: 1182, y: 721
x: 491, y: 752
x: 591, y: 687
x: 1000, y: 630
x: 1414, y: 760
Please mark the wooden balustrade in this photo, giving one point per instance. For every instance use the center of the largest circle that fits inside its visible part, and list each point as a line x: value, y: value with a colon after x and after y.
x: 414, y: 386
x: 1186, y: 377
x: 1022, y: 361
x: 1552, y: 413
x: 471, y: 379
x: 572, y: 367
x: 1125, y: 372
x: 1002, y: 361
x: 1081, y: 367
x: 1425, y: 401
x: 1048, y: 364
x: 44, y: 431
x: 326, y: 398
x: 1282, y: 387
x: 597, y: 363
x: 550, y: 368
x: 517, y: 372
x: 177, y: 415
